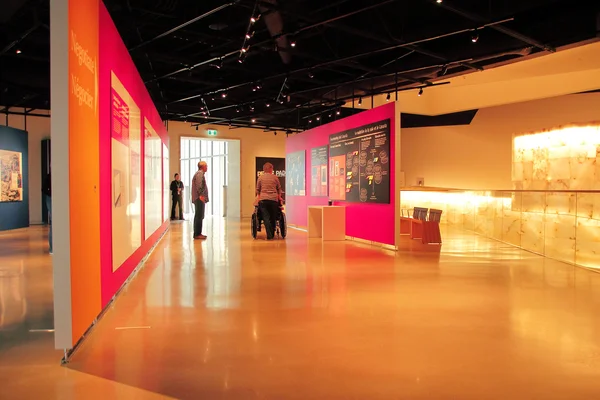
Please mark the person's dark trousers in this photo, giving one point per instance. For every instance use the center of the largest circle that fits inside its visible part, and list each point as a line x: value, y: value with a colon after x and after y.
x: 198, y: 217
x: 177, y: 201
x: 49, y: 207
x: 269, y: 209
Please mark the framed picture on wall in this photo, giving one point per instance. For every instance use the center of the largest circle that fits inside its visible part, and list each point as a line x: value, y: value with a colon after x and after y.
x: 11, y: 176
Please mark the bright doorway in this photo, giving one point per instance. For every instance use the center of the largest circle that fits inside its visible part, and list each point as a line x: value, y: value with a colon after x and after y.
x: 222, y: 178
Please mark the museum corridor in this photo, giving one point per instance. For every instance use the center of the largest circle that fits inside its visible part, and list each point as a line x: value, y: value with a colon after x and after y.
x: 235, y: 318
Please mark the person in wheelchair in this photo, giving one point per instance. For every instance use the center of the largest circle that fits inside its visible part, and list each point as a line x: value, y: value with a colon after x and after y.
x: 268, y: 192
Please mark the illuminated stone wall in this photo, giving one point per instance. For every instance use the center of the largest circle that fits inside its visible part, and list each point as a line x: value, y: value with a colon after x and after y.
x: 565, y: 158
x: 557, y: 225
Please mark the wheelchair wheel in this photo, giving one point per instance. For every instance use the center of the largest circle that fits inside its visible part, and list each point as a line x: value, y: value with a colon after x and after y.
x: 254, y: 226
x: 282, y: 226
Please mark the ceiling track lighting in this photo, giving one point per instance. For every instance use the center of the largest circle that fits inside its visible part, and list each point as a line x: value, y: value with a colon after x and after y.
x: 475, y: 36
x: 421, y: 92
x: 387, y: 98
x: 18, y: 51
x: 360, y: 101
x: 253, y: 19
x: 224, y: 94
x: 268, y: 105
x: 253, y: 120
x: 311, y: 75
x: 338, y: 112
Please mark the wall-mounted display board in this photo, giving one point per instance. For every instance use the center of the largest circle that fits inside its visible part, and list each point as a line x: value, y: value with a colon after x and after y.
x: 318, y: 171
x: 278, y: 170
x: 126, y: 173
x: 295, y: 177
x: 152, y: 180
x: 11, y: 176
x: 359, y: 164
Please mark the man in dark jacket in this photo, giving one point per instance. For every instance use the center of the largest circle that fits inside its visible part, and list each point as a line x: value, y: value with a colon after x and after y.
x: 177, y: 197
x: 47, y: 193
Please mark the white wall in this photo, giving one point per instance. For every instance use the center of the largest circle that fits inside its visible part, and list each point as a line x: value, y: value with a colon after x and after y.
x: 38, y: 128
x: 253, y: 143
x: 479, y: 155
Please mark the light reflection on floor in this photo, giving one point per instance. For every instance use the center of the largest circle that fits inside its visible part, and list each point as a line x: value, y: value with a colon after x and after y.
x: 235, y: 318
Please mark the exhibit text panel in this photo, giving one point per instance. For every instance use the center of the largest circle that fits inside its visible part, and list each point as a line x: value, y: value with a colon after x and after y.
x: 152, y: 180
x: 318, y: 171
x: 126, y: 174
x: 296, y: 173
x: 359, y: 164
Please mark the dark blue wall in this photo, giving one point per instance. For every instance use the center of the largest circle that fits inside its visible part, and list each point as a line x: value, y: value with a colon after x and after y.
x: 15, y: 215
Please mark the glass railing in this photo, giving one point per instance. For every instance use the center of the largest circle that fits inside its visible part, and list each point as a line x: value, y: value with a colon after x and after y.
x: 562, y: 225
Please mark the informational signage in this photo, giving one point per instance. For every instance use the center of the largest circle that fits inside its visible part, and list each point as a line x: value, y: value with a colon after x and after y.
x: 318, y: 171
x: 278, y: 170
x: 359, y: 164
x: 296, y: 173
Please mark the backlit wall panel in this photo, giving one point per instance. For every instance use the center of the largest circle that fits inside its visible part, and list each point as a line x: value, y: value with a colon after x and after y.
x: 152, y: 180
x: 565, y: 158
x: 126, y: 174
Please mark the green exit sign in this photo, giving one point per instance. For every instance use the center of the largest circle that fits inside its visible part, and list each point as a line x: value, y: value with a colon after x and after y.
x: 211, y: 132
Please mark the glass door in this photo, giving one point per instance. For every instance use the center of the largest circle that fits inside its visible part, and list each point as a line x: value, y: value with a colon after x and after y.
x: 214, y: 152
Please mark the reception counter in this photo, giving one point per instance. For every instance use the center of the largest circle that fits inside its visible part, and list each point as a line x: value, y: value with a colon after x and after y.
x: 562, y: 225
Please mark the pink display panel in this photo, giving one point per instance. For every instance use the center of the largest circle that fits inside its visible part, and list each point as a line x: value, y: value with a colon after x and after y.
x: 368, y: 221
x: 121, y: 91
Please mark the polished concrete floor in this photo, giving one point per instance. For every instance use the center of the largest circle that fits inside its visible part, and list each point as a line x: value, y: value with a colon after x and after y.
x: 234, y: 318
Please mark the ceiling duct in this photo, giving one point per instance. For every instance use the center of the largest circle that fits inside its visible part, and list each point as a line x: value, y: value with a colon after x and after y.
x: 274, y: 23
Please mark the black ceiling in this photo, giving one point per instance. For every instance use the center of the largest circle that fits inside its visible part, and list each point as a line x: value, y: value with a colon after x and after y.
x: 188, y: 51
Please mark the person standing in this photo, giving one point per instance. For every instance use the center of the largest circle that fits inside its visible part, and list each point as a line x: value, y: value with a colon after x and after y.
x: 177, y: 197
x: 200, y: 198
x: 47, y: 193
x: 268, y: 190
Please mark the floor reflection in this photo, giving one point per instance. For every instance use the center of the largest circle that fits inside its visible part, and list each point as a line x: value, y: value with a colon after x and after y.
x: 237, y: 318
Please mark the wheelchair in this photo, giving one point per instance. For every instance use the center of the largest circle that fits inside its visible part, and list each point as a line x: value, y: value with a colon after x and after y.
x: 280, y: 222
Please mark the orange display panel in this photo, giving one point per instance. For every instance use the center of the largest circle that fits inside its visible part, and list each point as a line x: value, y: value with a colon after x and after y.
x: 84, y: 164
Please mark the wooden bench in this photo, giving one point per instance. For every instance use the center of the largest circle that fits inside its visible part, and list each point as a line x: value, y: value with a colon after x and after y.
x: 407, y: 223
x: 431, y: 228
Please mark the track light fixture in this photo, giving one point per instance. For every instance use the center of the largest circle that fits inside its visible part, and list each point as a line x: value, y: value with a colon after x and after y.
x: 318, y: 118
x: 253, y: 120
x: 310, y: 121
x: 237, y: 109
x: 196, y: 127
x: 268, y: 105
x: 475, y: 36
x: 421, y: 92
x: 311, y: 75
x: 338, y: 112
x: 224, y: 94
x: 387, y: 98
x: 18, y: 51
x: 360, y: 101
x: 292, y: 42
x: 253, y: 19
